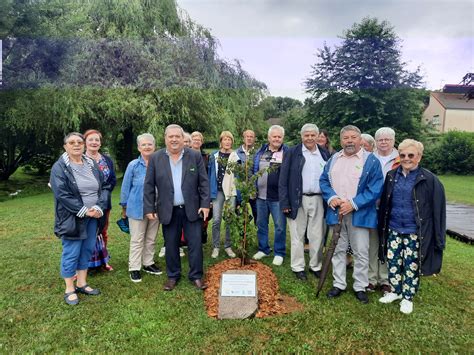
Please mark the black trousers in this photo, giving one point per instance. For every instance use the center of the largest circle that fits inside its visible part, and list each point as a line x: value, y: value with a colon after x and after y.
x: 192, y: 234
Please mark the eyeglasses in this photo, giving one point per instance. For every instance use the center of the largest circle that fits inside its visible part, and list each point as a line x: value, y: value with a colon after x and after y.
x: 75, y: 142
x: 410, y: 156
x: 384, y: 140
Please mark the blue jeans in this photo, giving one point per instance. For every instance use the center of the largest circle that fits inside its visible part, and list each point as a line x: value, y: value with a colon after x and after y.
x: 77, y: 252
x: 264, y: 209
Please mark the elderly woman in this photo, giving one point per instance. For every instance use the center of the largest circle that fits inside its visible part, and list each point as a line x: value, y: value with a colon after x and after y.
x: 412, y: 225
x: 81, y: 197
x: 368, y: 142
x: 223, y: 190
x: 142, y: 230
x: 93, y: 140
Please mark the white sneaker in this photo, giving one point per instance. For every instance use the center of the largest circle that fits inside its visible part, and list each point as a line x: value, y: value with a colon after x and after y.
x: 406, y: 306
x: 259, y: 255
x: 389, y: 297
x: 162, y: 252
x: 230, y: 252
x: 215, y: 253
x: 181, y: 252
x: 278, y: 260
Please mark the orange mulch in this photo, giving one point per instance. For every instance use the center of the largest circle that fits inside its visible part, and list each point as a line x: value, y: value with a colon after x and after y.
x: 270, y: 302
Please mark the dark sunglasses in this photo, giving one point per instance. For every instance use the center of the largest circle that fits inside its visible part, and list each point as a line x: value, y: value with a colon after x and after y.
x: 410, y: 156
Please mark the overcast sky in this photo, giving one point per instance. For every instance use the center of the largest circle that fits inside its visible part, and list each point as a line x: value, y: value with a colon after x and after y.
x: 277, y: 40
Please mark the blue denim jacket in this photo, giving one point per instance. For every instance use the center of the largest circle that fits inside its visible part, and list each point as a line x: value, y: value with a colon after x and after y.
x: 131, y: 194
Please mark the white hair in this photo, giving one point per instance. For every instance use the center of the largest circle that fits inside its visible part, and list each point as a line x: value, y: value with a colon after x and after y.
x: 385, y: 131
x: 172, y: 126
x: 309, y: 127
x: 275, y: 126
x: 369, y: 139
x: 145, y: 136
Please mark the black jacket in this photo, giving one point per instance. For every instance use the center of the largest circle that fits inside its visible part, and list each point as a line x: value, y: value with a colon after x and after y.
x: 158, y: 190
x: 290, y: 185
x: 430, y: 208
x: 70, y: 219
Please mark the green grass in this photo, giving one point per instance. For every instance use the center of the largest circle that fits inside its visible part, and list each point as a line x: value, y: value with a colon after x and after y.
x: 459, y: 188
x: 141, y: 317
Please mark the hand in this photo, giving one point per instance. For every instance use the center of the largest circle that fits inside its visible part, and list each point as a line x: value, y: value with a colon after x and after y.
x: 93, y: 213
x: 124, y: 212
x: 336, y: 202
x: 345, y: 207
x: 151, y: 216
x: 286, y: 210
x: 205, y: 212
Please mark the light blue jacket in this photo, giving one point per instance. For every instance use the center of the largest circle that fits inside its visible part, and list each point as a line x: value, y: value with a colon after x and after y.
x: 368, y: 191
x: 131, y: 195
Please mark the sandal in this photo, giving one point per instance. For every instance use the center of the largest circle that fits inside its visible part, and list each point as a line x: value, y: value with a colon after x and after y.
x: 71, y: 302
x: 92, y: 292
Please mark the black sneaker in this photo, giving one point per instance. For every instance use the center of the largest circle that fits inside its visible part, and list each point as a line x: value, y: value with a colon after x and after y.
x: 152, y: 269
x: 135, y: 276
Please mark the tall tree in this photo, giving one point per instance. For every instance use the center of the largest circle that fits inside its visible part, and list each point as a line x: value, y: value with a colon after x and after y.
x: 364, y: 81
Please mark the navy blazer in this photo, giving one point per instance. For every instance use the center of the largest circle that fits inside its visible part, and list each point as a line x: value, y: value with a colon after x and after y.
x: 158, y: 190
x: 290, y: 184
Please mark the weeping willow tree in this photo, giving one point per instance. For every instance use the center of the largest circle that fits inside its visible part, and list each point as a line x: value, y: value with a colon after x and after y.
x: 123, y: 67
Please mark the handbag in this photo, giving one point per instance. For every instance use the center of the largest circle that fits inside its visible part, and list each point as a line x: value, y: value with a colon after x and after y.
x: 123, y: 225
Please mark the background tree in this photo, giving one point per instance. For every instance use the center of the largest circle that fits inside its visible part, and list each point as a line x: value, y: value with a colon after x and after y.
x: 363, y: 81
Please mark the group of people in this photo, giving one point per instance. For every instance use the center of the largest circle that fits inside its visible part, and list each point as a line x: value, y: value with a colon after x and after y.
x: 395, y: 229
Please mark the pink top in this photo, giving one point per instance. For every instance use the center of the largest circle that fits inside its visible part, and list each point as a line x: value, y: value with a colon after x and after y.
x: 345, y: 174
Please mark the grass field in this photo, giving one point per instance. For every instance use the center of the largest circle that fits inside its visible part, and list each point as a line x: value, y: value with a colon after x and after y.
x: 458, y: 188
x: 141, y: 317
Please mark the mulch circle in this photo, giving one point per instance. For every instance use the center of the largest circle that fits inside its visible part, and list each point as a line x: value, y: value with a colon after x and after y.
x: 270, y: 302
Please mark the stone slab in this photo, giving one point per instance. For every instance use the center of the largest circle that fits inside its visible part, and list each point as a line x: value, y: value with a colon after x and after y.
x: 231, y: 307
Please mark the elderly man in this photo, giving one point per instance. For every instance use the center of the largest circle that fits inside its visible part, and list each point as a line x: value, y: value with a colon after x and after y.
x: 244, y: 152
x: 301, y: 200
x: 389, y: 159
x: 351, y: 184
x: 176, y: 180
x: 269, y: 157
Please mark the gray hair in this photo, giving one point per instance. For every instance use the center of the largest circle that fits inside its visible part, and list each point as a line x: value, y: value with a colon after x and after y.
x: 385, y: 131
x: 369, y: 139
x: 188, y: 135
x: 145, y: 136
x: 309, y: 127
x: 275, y: 126
x: 172, y: 126
x: 411, y: 143
x: 69, y: 135
x: 349, y: 128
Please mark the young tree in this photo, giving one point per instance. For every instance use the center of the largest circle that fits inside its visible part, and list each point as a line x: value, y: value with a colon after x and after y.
x: 363, y: 81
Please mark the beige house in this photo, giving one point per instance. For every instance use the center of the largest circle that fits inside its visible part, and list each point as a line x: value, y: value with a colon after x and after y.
x: 448, y: 111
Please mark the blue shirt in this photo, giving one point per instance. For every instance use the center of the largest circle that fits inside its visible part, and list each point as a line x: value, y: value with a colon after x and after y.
x: 177, y: 175
x: 402, y: 215
x: 131, y: 194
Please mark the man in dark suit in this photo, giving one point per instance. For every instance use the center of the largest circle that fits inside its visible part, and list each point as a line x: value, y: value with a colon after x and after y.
x: 176, y: 190
x: 301, y: 200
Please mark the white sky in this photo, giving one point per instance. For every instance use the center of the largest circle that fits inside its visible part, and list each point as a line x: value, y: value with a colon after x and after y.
x: 276, y: 40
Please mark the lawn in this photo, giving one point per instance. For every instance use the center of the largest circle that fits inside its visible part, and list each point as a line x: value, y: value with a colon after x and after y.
x: 459, y: 188
x: 141, y: 317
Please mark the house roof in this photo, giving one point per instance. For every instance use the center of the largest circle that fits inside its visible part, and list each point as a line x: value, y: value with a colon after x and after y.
x: 453, y: 101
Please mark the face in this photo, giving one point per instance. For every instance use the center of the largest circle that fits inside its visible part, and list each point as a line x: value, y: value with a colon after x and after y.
x: 309, y: 139
x: 93, y: 142
x: 146, y: 147
x: 384, y: 144
x: 322, y: 139
x: 174, y: 140
x: 275, y: 139
x: 409, y: 158
x: 74, y: 146
x: 196, y: 143
x: 351, y: 142
x: 187, y: 141
x: 249, y: 139
x: 226, y: 143
x: 366, y: 145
